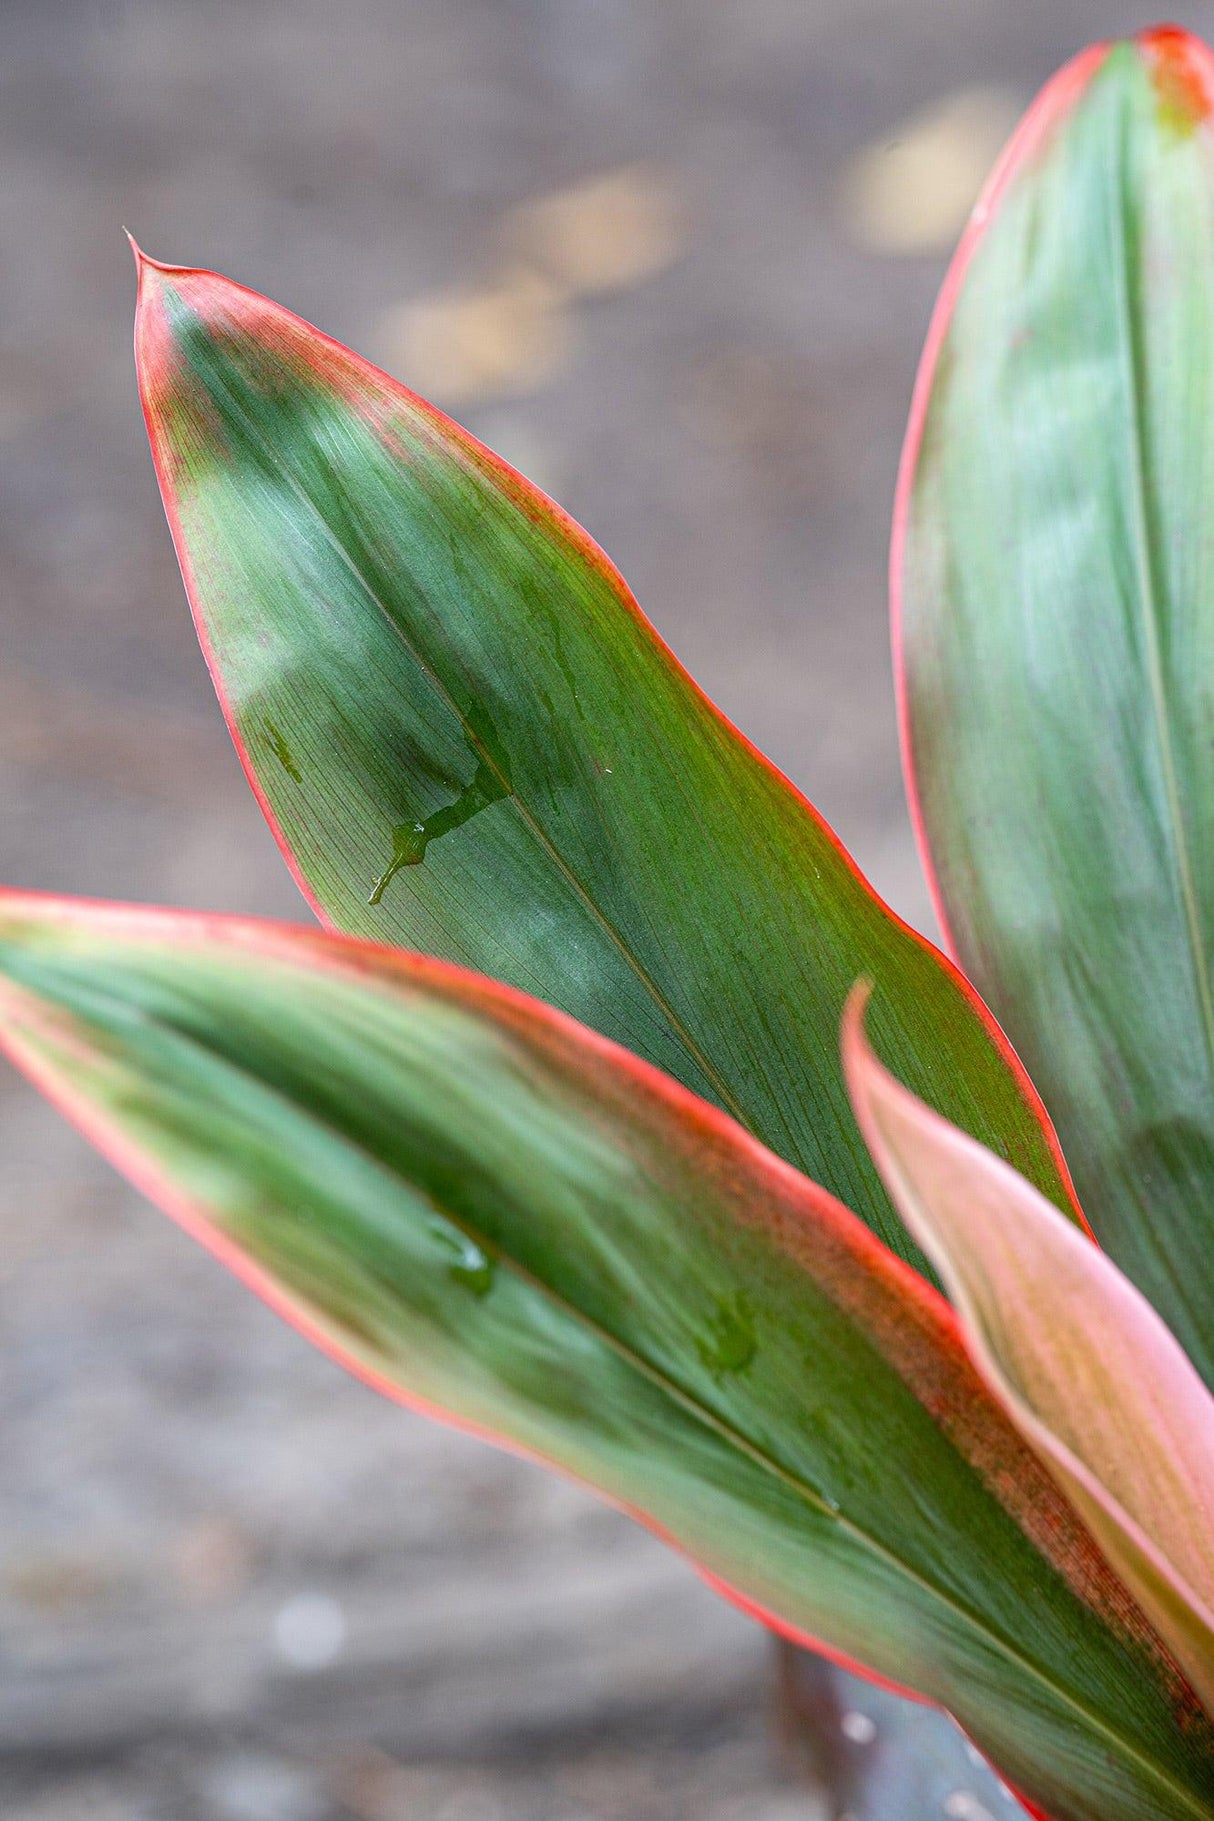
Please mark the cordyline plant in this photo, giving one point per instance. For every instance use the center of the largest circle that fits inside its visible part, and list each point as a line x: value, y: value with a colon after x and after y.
x: 840, y: 1334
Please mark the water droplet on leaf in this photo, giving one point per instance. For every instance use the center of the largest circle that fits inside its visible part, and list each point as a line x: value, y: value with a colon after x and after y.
x: 731, y: 1342
x: 489, y: 783
x: 471, y: 1268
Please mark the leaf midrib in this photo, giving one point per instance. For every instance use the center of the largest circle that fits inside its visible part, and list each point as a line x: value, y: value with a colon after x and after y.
x: 691, y: 1404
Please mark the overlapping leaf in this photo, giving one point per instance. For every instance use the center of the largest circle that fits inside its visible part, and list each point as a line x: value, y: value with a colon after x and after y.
x: 470, y: 741
x: 490, y: 1211
x: 1054, y: 561
x: 1088, y: 1372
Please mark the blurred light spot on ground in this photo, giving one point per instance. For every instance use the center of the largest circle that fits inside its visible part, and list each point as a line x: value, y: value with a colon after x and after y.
x: 310, y: 1631
x: 607, y: 234
x: 961, y: 1806
x: 911, y: 191
x: 249, y: 1786
x: 506, y: 337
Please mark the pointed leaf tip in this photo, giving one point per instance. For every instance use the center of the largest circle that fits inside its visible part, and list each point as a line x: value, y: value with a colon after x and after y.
x: 1182, y: 69
x: 141, y: 258
x: 144, y: 262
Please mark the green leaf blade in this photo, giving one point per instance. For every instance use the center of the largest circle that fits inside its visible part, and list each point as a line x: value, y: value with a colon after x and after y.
x: 495, y: 1214
x: 1054, y: 597
x: 470, y: 741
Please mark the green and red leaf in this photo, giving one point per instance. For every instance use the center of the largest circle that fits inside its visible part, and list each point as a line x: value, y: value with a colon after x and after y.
x: 1053, y: 579
x: 490, y: 1212
x: 1084, y: 1366
x: 470, y: 741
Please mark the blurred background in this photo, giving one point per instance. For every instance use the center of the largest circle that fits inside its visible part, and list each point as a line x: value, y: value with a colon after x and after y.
x: 674, y: 259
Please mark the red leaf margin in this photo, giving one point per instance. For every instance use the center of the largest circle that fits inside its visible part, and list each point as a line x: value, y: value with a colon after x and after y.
x: 331, y: 360
x: 125, y: 1156
x: 931, y: 1360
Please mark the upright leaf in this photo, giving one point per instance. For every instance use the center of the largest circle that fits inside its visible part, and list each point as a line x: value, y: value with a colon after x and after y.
x: 490, y: 1211
x: 1054, y: 568
x: 469, y: 740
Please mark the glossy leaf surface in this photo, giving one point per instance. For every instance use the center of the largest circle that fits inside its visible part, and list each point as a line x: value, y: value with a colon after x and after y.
x: 489, y: 1211
x: 1054, y: 567
x: 471, y: 742
x: 1084, y: 1366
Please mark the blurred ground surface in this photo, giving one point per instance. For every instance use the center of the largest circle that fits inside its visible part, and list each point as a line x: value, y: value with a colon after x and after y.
x: 233, y: 1586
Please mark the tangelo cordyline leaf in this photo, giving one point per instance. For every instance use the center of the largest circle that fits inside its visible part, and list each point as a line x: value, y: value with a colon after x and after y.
x: 489, y: 1211
x: 1085, y: 1367
x: 1053, y: 577
x: 470, y: 741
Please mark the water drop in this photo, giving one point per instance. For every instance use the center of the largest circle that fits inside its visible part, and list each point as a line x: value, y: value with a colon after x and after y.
x: 858, y: 1727
x: 471, y: 1268
x: 489, y: 783
x: 731, y: 1342
x: 408, y: 849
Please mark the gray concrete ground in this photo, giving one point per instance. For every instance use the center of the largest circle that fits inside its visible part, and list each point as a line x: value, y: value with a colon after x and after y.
x: 234, y: 1586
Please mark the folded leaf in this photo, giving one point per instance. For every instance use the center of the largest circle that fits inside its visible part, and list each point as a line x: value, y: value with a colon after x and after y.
x: 1053, y: 571
x: 1084, y: 1366
x: 469, y: 740
x: 492, y: 1212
